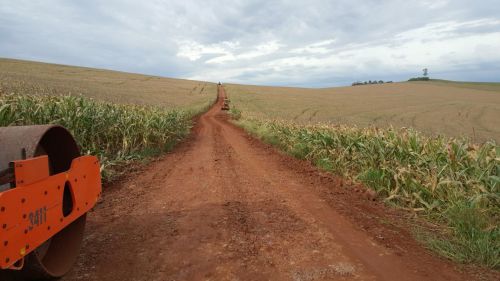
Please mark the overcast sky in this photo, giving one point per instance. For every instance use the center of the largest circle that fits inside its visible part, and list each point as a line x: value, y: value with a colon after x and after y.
x: 311, y: 43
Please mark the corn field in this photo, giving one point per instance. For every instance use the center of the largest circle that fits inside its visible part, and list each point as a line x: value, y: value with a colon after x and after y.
x: 115, y: 133
x: 448, y: 180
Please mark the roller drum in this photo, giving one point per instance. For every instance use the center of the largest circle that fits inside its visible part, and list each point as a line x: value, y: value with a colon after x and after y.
x: 55, y: 257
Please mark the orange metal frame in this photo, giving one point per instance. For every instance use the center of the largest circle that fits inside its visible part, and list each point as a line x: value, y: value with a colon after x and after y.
x: 32, y: 212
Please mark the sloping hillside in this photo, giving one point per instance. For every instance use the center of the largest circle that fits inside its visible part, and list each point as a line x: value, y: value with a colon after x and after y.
x: 441, y: 107
x: 119, y: 87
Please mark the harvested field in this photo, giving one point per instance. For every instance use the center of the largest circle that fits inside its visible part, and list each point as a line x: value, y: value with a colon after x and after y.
x: 119, y: 87
x: 441, y: 107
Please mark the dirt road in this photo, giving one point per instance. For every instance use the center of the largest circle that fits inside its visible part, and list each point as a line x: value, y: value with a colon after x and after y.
x: 224, y: 206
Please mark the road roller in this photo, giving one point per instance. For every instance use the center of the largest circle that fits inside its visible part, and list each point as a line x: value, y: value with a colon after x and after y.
x: 225, y: 105
x: 46, y: 190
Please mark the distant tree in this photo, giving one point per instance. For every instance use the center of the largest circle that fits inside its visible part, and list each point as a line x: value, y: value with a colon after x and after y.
x: 381, y: 82
x: 420, y: 79
x: 426, y: 72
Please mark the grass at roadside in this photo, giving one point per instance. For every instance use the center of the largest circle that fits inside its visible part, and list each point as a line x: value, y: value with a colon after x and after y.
x: 117, y: 134
x: 447, y: 180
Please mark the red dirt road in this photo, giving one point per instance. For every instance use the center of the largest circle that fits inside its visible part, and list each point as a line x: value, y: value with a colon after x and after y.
x: 223, y: 206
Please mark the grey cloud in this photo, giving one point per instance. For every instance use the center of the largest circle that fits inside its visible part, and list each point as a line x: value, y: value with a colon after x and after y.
x: 148, y: 37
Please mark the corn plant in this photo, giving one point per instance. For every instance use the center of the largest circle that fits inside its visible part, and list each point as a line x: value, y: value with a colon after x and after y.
x: 115, y: 133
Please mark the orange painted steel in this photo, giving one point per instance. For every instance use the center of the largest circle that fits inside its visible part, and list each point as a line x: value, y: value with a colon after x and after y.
x: 32, y: 213
x: 32, y: 170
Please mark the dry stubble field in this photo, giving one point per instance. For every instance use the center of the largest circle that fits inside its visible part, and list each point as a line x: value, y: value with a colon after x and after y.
x: 28, y: 77
x: 438, y: 107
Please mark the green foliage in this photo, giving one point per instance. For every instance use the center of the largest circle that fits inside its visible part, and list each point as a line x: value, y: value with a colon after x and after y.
x: 419, y: 79
x: 235, y: 113
x: 474, y: 239
x: 115, y: 133
x: 448, y: 180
